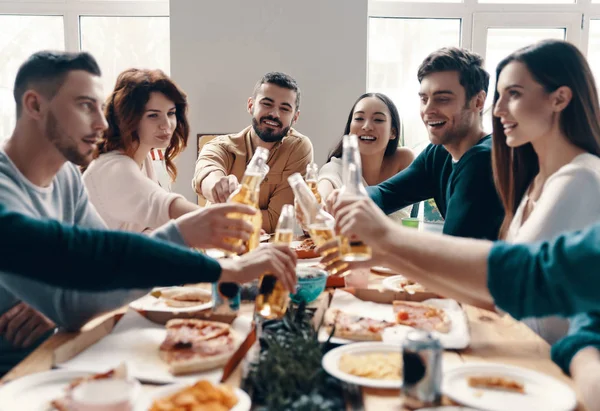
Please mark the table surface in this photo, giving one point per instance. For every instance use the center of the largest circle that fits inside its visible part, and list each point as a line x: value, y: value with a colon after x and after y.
x: 494, y: 338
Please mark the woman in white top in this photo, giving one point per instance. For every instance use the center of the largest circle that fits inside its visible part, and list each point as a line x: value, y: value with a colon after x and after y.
x: 146, y: 110
x: 374, y: 119
x: 545, y: 154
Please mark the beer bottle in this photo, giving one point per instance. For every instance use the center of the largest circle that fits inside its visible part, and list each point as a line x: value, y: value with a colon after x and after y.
x: 273, y: 298
x: 320, y: 224
x: 352, y: 249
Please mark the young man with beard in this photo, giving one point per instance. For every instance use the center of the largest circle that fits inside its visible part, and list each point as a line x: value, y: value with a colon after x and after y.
x: 456, y: 168
x: 274, y: 107
x: 59, y: 99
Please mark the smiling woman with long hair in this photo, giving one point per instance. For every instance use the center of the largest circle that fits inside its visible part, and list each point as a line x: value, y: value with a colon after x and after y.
x: 146, y: 110
x: 375, y: 120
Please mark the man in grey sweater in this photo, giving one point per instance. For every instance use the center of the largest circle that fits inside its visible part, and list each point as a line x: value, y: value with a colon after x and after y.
x: 60, y: 116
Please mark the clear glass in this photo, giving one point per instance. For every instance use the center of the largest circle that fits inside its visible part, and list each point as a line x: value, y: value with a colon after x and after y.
x: 594, y: 50
x: 502, y: 42
x: 21, y: 36
x: 396, y: 48
x: 119, y: 43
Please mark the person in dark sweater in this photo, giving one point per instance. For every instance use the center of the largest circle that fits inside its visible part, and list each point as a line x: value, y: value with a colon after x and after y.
x: 58, y: 254
x: 456, y: 168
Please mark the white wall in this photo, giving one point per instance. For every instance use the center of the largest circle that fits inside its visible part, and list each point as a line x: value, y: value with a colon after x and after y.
x: 220, y: 48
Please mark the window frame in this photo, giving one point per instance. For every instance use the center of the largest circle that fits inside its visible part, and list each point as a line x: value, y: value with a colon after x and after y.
x: 72, y: 10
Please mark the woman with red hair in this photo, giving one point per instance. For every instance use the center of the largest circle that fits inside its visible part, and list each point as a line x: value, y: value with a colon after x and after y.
x: 146, y: 111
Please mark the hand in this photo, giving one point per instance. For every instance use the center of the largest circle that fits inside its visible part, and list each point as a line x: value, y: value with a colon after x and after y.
x: 333, y: 264
x: 279, y: 260
x: 209, y: 227
x: 331, y: 200
x: 362, y: 219
x: 223, y: 188
x: 22, y: 325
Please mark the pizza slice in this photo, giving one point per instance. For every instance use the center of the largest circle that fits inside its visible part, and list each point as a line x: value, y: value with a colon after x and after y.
x: 63, y: 403
x: 422, y: 316
x: 179, y: 297
x: 496, y: 382
x: 306, y: 249
x: 354, y: 327
x: 196, y: 345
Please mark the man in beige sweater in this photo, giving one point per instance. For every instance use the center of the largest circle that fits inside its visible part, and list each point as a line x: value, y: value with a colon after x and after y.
x: 274, y: 107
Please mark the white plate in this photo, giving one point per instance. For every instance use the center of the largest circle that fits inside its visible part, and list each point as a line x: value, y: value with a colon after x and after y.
x: 150, y: 303
x: 244, y: 402
x: 447, y: 408
x: 541, y: 391
x: 264, y: 237
x: 331, y: 362
x: 35, y: 391
x: 391, y: 283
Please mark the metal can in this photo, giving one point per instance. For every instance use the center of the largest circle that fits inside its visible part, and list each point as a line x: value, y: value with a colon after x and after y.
x: 226, y: 298
x: 422, y: 370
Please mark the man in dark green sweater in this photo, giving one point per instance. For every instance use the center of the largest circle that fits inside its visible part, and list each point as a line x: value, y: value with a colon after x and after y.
x: 455, y: 169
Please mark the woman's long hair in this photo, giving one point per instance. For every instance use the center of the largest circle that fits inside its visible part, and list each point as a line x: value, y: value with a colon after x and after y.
x: 552, y: 64
x: 395, y: 119
x: 125, y: 108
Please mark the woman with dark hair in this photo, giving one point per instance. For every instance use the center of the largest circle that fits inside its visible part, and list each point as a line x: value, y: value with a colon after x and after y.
x: 146, y: 111
x: 375, y: 120
x: 546, y: 148
x: 546, y: 144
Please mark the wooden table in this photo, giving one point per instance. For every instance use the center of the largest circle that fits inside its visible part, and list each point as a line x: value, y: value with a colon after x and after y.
x: 494, y: 338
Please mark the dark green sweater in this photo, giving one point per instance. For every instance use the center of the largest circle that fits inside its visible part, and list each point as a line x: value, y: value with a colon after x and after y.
x: 78, y: 258
x: 463, y: 191
x: 556, y: 277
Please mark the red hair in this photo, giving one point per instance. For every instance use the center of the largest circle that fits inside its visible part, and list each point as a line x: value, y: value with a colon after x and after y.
x: 125, y: 108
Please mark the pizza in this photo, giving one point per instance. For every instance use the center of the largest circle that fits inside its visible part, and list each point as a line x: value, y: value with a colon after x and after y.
x: 179, y: 297
x: 64, y: 403
x: 354, y: 327
x: 197, y: 345
x: 306, y: 249
x: 422, y: 316
x: 496, y: 382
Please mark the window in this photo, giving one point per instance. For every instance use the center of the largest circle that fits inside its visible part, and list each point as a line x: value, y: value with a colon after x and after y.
x: 119, y: 43
x: 20, y: 36
x: 491, y: 28
x: 396, y: 49
x: 119, y: 33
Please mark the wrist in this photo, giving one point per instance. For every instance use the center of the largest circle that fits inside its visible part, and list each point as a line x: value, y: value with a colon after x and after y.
x: 230, y: 270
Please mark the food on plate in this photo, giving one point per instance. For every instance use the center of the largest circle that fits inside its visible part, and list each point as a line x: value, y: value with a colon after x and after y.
x: 63, y: 403
x: 306, y: 249
x: 182, y: 296
x: 354, y: 327
x: 196, y: 345
x: 198, y: 397
x: 380, y: 366
x: 496, y: 382
x: 422, y: 316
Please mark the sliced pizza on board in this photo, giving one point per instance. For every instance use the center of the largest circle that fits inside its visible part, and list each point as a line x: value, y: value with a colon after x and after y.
x: 421, y: 316
x: 195, y: 345
x: 354, y: 327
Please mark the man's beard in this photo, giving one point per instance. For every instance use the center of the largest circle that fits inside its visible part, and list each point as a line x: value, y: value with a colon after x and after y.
x: 456, y: 133
x: 266, y: 134
x: 64, y: 143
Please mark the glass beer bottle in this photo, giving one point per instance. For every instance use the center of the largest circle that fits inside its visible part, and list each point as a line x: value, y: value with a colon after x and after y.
x: 352, y: 249
x: 248, y: 192
x: 320, y: 224
x: 273, y: 298
x: 311, y: 178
